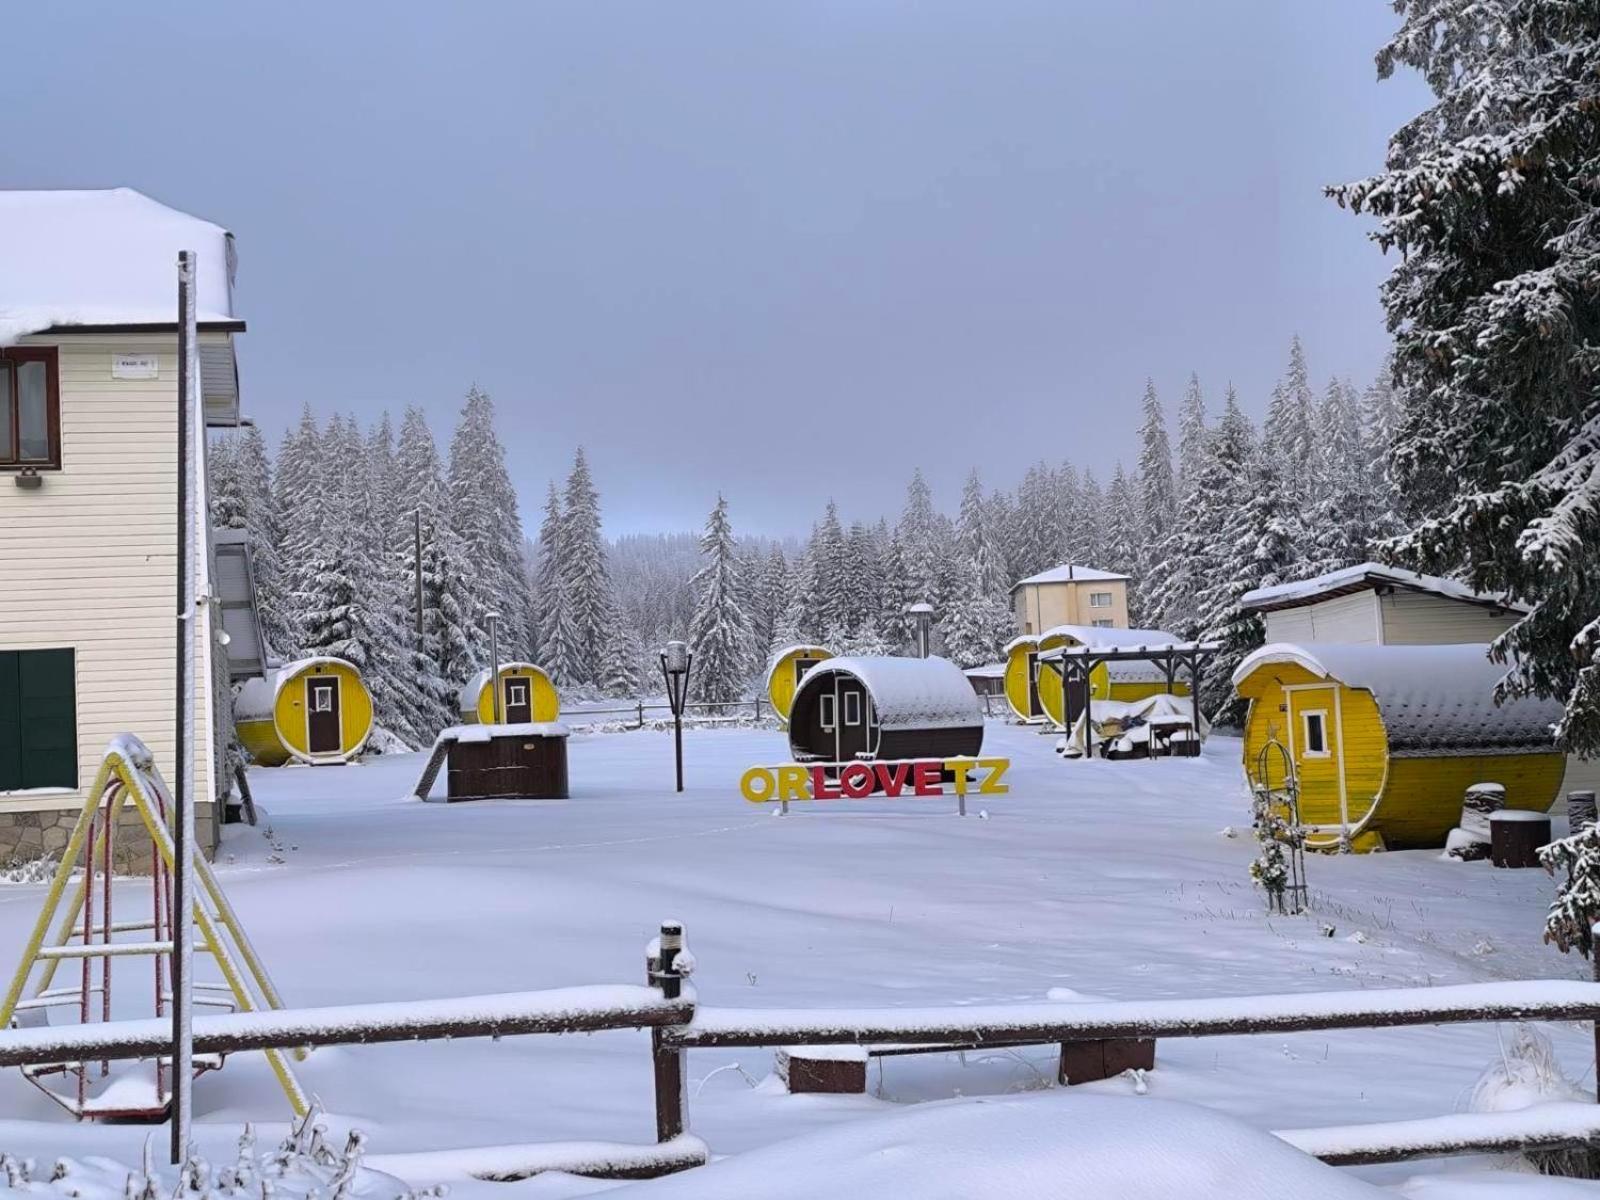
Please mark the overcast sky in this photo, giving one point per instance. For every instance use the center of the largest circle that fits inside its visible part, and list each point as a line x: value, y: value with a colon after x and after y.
x: 788, y: 250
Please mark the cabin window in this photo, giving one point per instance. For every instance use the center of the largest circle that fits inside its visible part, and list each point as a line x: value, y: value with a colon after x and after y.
x: 1316, y: 733
x: 1102, y: 623
x: 852, y: 708
x: 516, y: 693
x: 1099, y: 599
x: 30, y: 408
x: 38, y: 720
x: 825, y: 713
x: 322, y: 699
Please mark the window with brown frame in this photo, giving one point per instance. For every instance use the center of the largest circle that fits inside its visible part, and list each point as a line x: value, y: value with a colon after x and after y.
x: 30, y: 408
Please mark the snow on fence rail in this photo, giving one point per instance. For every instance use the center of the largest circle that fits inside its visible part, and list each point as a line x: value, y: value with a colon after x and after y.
x: 677, y: 1023
x: 1544, y: 1000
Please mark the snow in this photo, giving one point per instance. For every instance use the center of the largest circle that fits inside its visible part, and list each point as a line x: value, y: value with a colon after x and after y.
x: 1070, y: 573
x: 1433, y: 699
x: 987, y: 671
x: 1285, y: 595
x: 1105, y: 878
x: 1101, y: 637
x: 104, y: 258
x: 484, y: 733
x: 1025, y: 1148
x: 915, y: 693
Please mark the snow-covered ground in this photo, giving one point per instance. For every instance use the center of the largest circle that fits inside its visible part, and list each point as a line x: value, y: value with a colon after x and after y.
x: 1113, y: 879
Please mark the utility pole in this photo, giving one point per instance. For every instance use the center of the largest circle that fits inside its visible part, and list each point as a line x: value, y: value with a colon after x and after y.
x: 183, y: 836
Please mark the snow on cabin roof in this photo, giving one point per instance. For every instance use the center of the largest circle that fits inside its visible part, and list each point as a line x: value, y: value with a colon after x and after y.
x: 1070, y: 573
x: 1360, y: 578
x: 908, y: 693
x: 994, y: 670
x: 467, y: 697
x: 1100, y: 635
x: 1433, y: 699
x: 104, y: 257
x: 258, y: 698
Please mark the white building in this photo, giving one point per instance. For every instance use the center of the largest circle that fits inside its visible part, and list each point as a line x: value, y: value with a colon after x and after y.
x: 88, y: 496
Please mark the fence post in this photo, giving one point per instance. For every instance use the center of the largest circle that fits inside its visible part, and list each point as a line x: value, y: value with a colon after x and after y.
x: 641, y: 714
x: 758, y: 709
x: 671, y: 1119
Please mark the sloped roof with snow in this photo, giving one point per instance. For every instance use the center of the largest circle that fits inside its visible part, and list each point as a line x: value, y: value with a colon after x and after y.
x: 1098, y: 637
x: 1070, y: 573
x: 107, y: 257
x: 1434, y: 700
x: 907, y: 693
x: 1363, y: 577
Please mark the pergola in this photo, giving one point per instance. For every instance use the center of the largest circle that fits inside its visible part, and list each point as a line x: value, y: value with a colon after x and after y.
x: 1075, y: 664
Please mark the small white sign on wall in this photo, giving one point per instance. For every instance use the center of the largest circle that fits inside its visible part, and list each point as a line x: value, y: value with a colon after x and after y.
x: 135, y: 366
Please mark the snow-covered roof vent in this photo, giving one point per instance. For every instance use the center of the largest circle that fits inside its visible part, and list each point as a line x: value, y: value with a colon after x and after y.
x: 1433, y: 699
x: 907, y: 693
x: 1070, y: 573
x: 1363, y: 577
x: 104, y: 258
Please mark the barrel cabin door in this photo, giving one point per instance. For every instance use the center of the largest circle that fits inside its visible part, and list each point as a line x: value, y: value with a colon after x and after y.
x: 1317, y: 745
x: 853, y: 735
x: 1035, y: 706
x: 518, y: 702
x: 1075, y: 696
x: 322, y: 715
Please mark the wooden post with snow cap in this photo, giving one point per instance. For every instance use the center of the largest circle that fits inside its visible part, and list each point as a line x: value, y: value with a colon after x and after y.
x: 1594, y: 964
x: 662, y: 963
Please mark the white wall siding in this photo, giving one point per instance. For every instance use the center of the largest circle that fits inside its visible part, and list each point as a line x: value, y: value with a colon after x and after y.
x: 90, y: 557
x: 1414, y: 619
x: 1349, y: 619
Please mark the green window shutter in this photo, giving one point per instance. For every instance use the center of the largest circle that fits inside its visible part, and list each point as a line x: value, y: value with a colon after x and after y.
x: 10, y: 723
x: 46, y: 689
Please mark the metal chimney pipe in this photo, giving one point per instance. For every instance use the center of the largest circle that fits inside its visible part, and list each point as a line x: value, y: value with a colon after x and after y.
x: 922, y: 620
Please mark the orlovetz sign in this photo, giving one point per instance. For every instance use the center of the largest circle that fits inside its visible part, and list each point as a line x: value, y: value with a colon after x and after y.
x: 858, y: 780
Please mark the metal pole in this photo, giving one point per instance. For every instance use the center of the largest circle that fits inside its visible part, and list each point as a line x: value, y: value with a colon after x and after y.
x: 670, y: 1077
x: 494, y: 661
x: 183, y: 718
x: 417, y: 533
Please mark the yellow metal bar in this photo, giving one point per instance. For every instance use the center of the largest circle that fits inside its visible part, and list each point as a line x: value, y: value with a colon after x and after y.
x: 161, y: 836
x: 69, y: 856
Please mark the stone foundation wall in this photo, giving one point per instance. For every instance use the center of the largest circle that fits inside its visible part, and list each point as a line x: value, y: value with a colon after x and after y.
x: 29, y: 836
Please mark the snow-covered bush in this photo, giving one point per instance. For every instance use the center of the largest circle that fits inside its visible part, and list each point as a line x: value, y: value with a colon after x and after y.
x: 1527, y: 1073
x: 1576, y: 907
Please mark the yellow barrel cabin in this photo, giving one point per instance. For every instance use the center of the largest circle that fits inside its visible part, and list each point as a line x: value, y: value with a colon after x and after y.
x: 316, y: 710
x: 526, y: 697
x: 1124, y: 681
x: 1385, y: 740
x: 1022, y: 678
x: 784, y: 673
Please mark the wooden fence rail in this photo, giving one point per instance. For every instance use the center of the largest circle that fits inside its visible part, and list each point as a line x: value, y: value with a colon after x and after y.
x: 667, y: 1007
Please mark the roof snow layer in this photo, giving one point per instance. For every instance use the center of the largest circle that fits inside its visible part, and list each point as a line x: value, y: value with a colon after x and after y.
x: 104, y: 258
x: 1433, y: 699
x: 1360, y: 576
x: 1070, y: 573
x: 908, y: 693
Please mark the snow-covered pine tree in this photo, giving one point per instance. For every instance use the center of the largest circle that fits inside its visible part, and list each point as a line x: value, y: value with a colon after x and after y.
x: 621, y: 661
x: 1259, y: 551
x: 923, y: 539
x: 1095, y: 521
x: 434, y: 667
x: 586, y: 583
x: 1037, y: 537
x: 1193, y: 437
x: 300, y: 486
x: 484, y: 516
x: 774, y: 593
x: 1000, y: 512
x: 559, y: 649
x: 859, y: 579
x: 244, y: 499
x: 893, y: 623
x: 1123, y: 529
x: 1491, y: 198
x: 1346, y: 517
x: 1158, y: 502
x: 719, y: 635
x: 1073, y: 521
x: 976, y: 544
x: 973, y: 626
x: 1289, y: 430
x: 1573, y: 913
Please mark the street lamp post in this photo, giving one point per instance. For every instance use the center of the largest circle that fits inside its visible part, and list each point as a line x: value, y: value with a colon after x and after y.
x: 493, y: 619
x: 675, y: 663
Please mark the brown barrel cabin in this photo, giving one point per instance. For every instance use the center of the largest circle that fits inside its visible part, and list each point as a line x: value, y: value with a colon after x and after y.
x: 887, y: 708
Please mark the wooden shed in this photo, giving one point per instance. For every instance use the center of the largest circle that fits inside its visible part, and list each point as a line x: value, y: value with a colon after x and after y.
x: 785, y: 671
x: 526, y: 697
x: 1385, y: 740
x: 1125, y: 681
x: 889, y: 708
x: 316, y: 710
